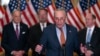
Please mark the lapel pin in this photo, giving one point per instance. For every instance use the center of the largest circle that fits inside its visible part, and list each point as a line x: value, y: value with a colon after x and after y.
x: 70, y: 31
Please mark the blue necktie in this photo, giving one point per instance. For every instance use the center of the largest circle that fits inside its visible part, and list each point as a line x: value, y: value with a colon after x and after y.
x: 88, y: 37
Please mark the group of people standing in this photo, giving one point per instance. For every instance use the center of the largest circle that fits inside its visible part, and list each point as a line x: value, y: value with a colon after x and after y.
x: 46, y: 39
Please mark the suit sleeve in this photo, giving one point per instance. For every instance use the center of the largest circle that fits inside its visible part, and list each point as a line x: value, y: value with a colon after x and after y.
x: 76, y: 43
x: 26, y: 43
x: 44, y: 38
x: 4, y: 42
x: 31, y: 40
x: 96, y: 48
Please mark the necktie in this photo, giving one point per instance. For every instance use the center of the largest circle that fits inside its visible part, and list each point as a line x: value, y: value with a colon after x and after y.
x: 88, y: 37
x: 17, y: 31
x: 62, y: 38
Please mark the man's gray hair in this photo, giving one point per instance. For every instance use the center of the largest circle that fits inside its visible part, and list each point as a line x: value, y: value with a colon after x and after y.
x: 16, y: 10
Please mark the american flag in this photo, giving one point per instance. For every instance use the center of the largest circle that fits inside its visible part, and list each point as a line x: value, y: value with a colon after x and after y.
x: 73, y: 18
x: 29, y: 11
x: 47, y: 4
x: 76, y: 15
x: 92, y: 6
x: 17, y: 4
x: 1, y: 18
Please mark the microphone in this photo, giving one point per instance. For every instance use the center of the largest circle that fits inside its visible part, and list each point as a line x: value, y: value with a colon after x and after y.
x: 88, y: 46
x: 63, y: 50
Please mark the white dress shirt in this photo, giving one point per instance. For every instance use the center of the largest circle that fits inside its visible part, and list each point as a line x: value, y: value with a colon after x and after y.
x: 43, y: 25
x: 14, y: 25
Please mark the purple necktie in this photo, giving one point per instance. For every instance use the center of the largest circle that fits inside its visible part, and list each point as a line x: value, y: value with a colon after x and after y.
x: 17, y: 31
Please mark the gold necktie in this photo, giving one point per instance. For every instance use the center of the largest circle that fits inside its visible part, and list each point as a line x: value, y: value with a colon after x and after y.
x: 62, y: 37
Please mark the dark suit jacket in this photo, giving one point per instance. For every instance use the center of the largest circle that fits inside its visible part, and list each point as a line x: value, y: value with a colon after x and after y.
x: 34, y: 36
x: 50, y: 41
x: 95, y: 40
x: 10, y: 41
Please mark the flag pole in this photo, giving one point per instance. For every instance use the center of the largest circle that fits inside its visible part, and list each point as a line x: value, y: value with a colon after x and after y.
x: 53, y: 3
x: 63, y: 4
x: 88, y: 6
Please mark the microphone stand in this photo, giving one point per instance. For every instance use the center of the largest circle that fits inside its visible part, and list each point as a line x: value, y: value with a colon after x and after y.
x: 63, y: 50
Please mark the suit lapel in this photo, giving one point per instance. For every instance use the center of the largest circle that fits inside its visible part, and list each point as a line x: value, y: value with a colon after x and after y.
x: 84, y: 35
x: 13, y: 30
x: 93, y: 35
x: 21, y: 28
x: 68, y: 34
x: 56, y: 37
x: 39, y: 27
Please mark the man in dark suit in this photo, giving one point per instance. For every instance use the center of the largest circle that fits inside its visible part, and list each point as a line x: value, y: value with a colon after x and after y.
x: 14, y: 39
x: 90, y: 37
x: 37, y: 30
x: 59, y: 39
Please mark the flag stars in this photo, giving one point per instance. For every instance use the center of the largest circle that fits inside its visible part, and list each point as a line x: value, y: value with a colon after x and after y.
x: 33, y: 1
x: 68, y: 1
x: 12, y: 8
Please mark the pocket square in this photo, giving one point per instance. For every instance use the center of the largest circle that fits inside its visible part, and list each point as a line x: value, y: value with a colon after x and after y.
x: 23, y: 32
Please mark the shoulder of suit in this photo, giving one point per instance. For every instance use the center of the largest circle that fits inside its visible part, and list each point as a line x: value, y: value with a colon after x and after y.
x: 97, y: 29
x: 23, y: 25
x: 36, y: 25
x: 7, y: 25
x: 52, y: 26
x: 82, y: 30
x: 49, y: 23
x: 71, y: 27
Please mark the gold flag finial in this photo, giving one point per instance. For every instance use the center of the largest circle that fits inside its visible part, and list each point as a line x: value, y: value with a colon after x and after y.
x: 88, y: 4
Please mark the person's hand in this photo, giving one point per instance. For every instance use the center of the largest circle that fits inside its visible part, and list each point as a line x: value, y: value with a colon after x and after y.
x: 20, y: 53
x: 82, y: 48
x: 14, y: 53
x: 38, y: 48
x: 88, y: 53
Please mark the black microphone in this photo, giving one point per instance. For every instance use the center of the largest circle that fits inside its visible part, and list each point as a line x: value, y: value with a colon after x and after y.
x: 63, y: 50
x: 88, y: 46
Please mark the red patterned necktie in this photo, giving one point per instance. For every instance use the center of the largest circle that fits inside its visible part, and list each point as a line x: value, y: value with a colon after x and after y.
x: 17, y: 31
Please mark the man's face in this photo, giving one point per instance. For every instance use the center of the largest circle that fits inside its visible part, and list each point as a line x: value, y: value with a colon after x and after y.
x: 60, y: 17
x: 89, y: 20
x: 16, y: 16
x: 42, y: 16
